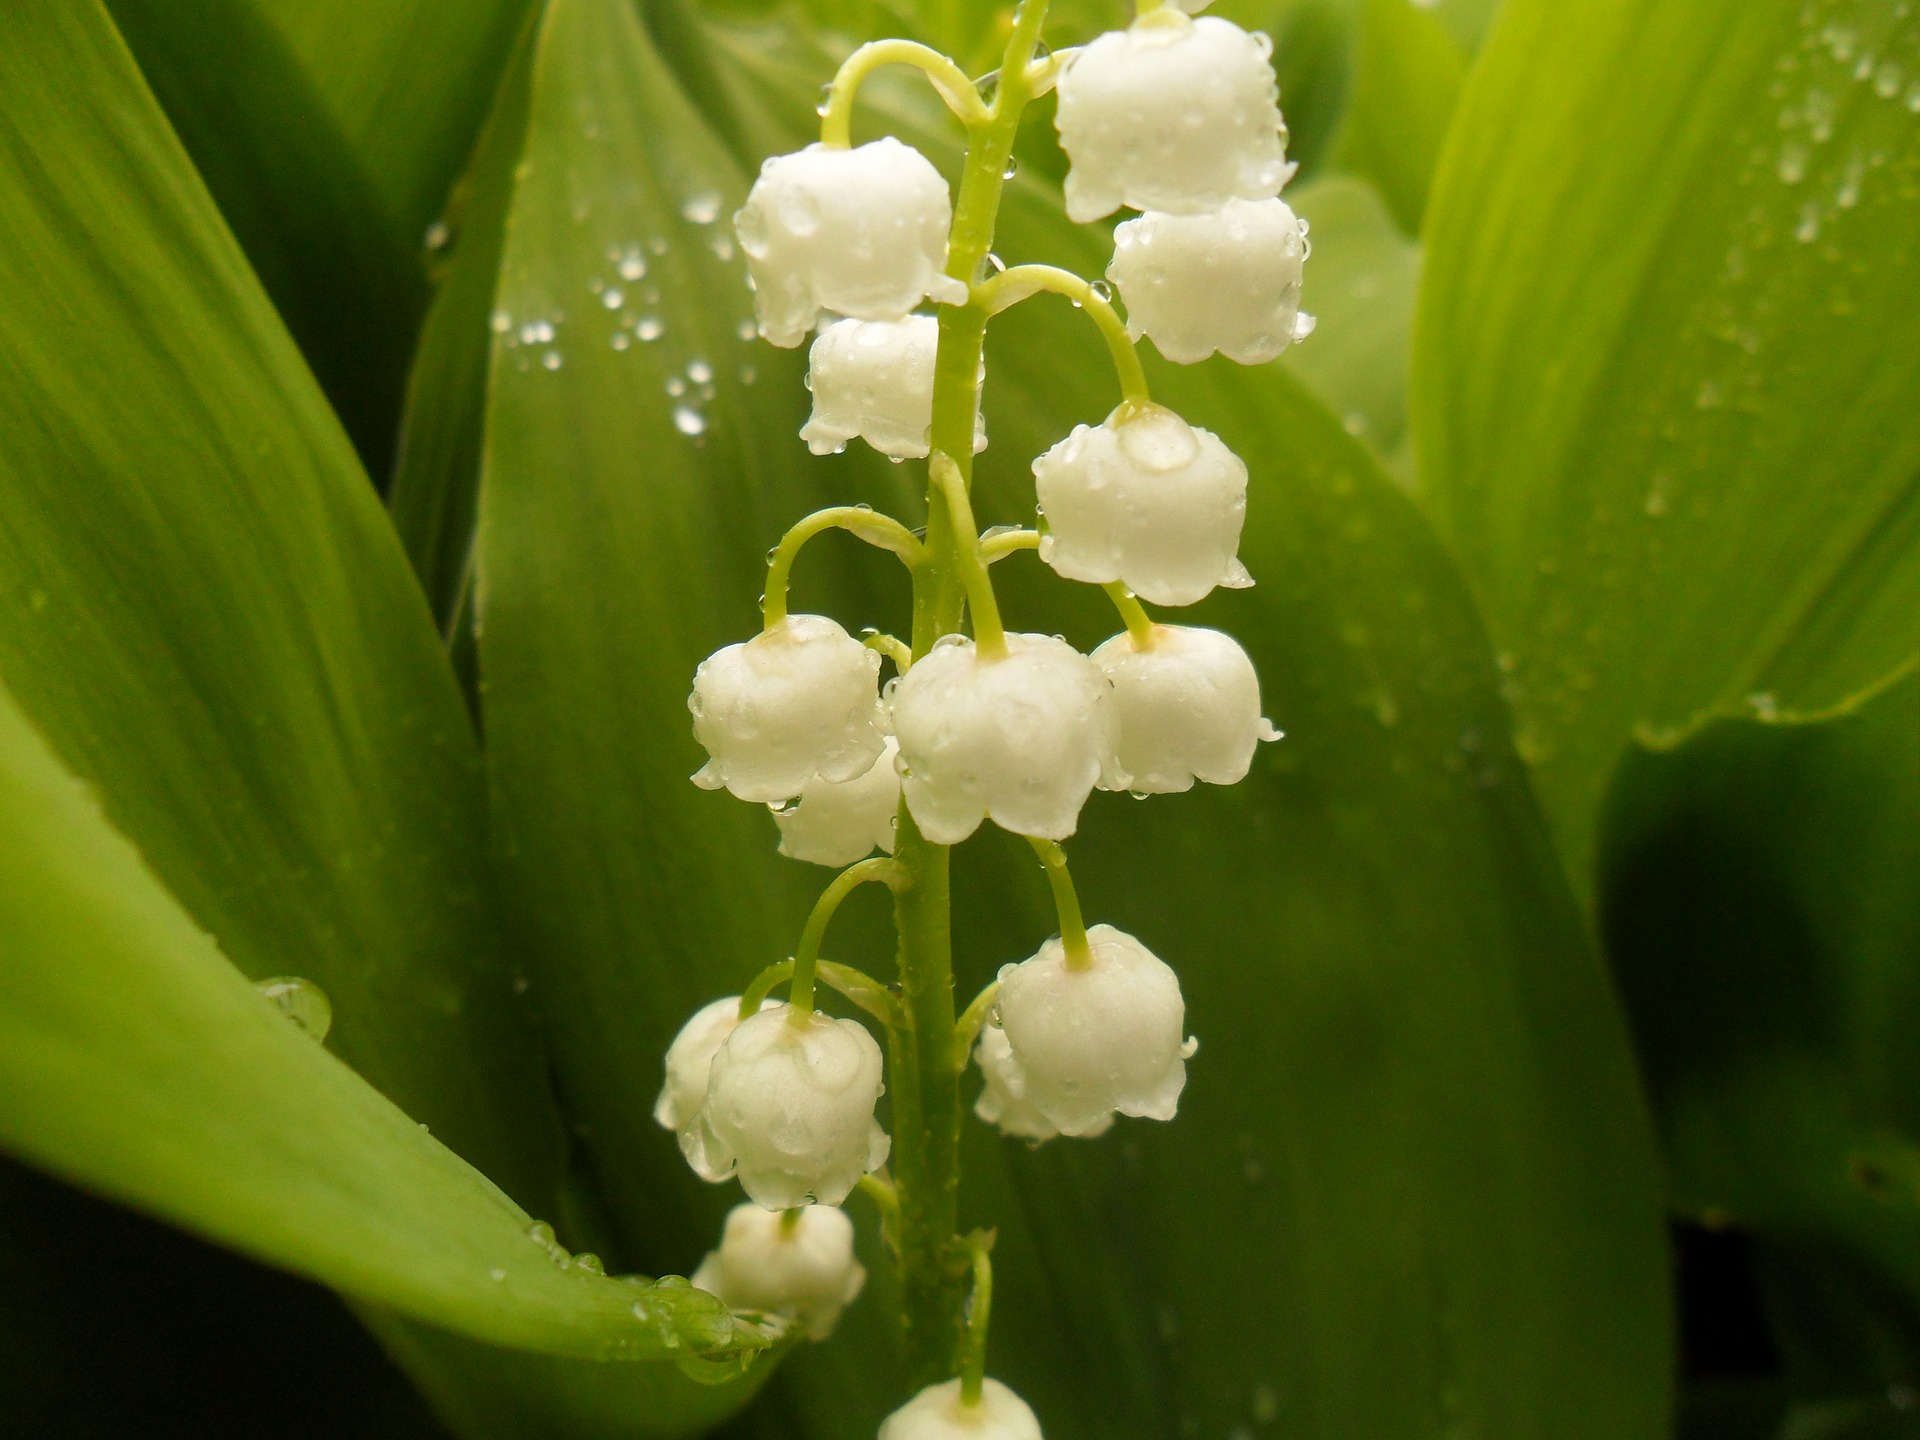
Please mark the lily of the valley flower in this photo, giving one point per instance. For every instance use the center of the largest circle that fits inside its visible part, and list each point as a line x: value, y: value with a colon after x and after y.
x: 1171, y: 114
x: 939, y: 1412
x: 1003, y: 1103
x: 798, y: 700
x: 859, y: 232
x: 689, y: 1065
x: 874, y: 379
x: 1021, y: 738
x: 1189, y: 704
x: 1226, y: 281
x: 797, y: 1263
x: 1145, y: 499
x: 836, y: 822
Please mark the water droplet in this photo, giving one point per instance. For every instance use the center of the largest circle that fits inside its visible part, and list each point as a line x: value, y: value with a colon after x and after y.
x: 1012, y: 168
x: 620, y: 340
x: 1764, y: 704
x: 613, y: 299
x: 1792, y: 168
x: 1886, y: 81
x: 676, y: 387
x: 649, y: 328
x: 699, y: 371
x: 497, y: 1274
x: 501, y: 322
x: 438, y: 235
x: 747, y: 330
x: 541, y: 1234
x: 1808, y: 230
x: 1354, y: 423
x: 633, y: 265
x: 722, y: 245
x: 702, y: 209
x: 748, y: 375
x: 551, y: 360
x: 588, y: 1261
x: 996, y: 262
x: 658, y: 244
x: 689, y: 421
x: 1708, y: 396
x: 1101, y: 290
x: 302, y: 1002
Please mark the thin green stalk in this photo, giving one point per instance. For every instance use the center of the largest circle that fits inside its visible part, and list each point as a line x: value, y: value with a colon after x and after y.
x: 807, y: 952
x: 1008, y: 542
x: 1066, y: 903
x: 973, y: 1362
x: 926, y: 1100
x: 988, y: 635
x: 895, y: 650
x: 949, y: 80
x: 1010, y: 287
x: 967, y: 1028
x: 882, y: 531
x: 1139, y: 623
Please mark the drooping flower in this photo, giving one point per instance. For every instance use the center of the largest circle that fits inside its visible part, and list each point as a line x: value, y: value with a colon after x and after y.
x: 798, y: 700
x: 859, y: 232
x: 689, y: 1064
x: 1146, y: 499
x: 1227, y: 281
x: 1021, y: 738
x: 939, y: 1413
x: 874, y: 379
x: 1171, y: 114
x: 798, y: 1263
x: 1189, y: 706
x: 1096, y: 1039
x: 789, y: 1108
x: 837, y: 822
x: 1003, y: 1102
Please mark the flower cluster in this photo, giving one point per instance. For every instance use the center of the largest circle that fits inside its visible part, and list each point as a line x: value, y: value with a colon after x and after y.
x: 1177, y: 117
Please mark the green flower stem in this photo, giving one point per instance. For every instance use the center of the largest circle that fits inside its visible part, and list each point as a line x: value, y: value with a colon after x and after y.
x: 1139, y: 623
x: 973, y: 1362
x: 967, y: 1028
x: 1008, y: 542
x: 1010, y: 287
x: 836, y: 121
x: 895, y: 650
x: 1066, y: 903
x: 882, y: 531
x: 807, y: 953
x: 988, y: 636
x: 858, y: 986
x: 926, y: 1097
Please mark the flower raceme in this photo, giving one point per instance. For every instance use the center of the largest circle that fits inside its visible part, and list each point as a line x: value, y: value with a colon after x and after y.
x: 1177, y: 118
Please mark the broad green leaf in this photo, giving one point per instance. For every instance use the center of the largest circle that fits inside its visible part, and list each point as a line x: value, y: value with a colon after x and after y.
x: 203, y: 608
x: 1664, y: 368
x: 113, y: 1324
x: 135, y: 1060
x: 1412, y: 1092
x: 330, y: 133
x: 1763, y: 912
x: 1362, y: 280
x: 1407, y: 73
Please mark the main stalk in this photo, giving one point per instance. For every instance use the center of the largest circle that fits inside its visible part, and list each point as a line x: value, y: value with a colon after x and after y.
x: 935, y: 1263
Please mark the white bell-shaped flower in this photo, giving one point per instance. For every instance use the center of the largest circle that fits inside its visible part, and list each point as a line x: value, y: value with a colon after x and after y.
x: 1189, y: 708
x: 790, y: 1108
x: 939, y: 1413
x: 1003, y: 1103
x: 874, y: 379
x: 689, y: 1063
x: 1226, y: 281
x: 1146, y: 499
x: 836, y: 822
x: 1021, y: 737
x: 1097, y: 1039
x: 798, y: 700
x: 860, y: 232
x: 797, y: 1263
x: 1171, y: 114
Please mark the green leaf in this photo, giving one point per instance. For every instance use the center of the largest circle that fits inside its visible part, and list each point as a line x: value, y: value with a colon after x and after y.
x: 204, y: 610
x: 1664, y: 368
x: 135, y: 1060
x: 1412, y: 1090
x: 1763, y: 912
x: 1361, y: 284
x: 1407, y: 74
x: 330, y: 149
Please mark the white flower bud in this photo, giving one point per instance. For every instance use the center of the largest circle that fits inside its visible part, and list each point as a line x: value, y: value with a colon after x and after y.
x: 798, y: 700
x: 790, y: 1108
x: 1003, y: 1102
x: 1226, y: 281
x: 837, y: 822
x: 1172, y: 114
x: 689, y: 1062
x: 860, y: 232
x: 797, y: 1263
x: 1021, y: 738
x: 937, y: 1413
x: 1096, y: 1040
x: 1189, y: 708
x: 1145, y: 499
x: 874, y: 379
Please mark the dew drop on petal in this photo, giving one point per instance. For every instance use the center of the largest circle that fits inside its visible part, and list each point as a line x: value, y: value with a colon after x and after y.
x: 689, y: 421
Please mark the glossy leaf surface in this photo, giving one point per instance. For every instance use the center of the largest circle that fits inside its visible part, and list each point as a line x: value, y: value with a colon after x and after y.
x: 1665, y: 363
x: 1407, y: 75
